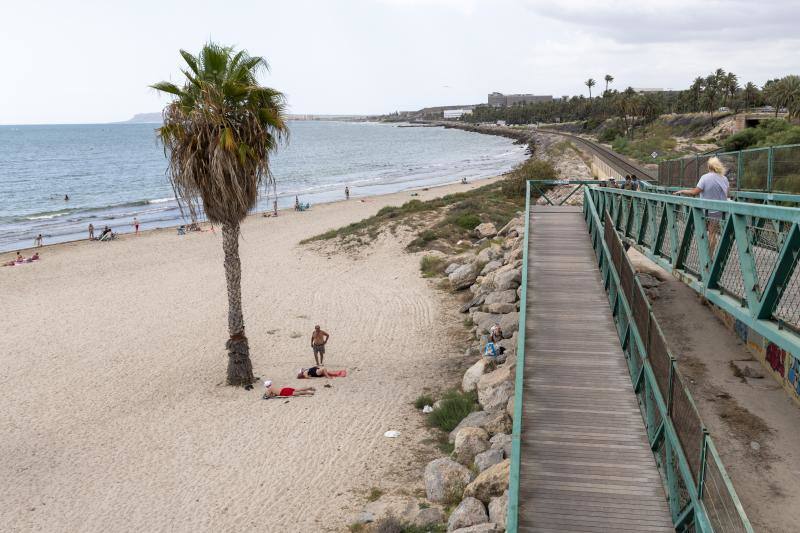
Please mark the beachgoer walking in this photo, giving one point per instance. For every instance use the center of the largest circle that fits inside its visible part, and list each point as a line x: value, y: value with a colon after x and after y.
x: 712, y: 185
x: 319, y: 339
x: 273, y: 391
x: 296, y: 203
x: 66, y: 197
x: 91, y: 231
x: 275, y: 207
x: 320, y: 372
x: 135, y: 226
x: 346, y: 192
x: 38, y: 241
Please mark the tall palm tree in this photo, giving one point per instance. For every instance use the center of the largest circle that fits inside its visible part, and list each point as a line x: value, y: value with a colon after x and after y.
x: 590, y: 83
x: 609, y: 78
x: 789, y: 94
x: 218, y: 134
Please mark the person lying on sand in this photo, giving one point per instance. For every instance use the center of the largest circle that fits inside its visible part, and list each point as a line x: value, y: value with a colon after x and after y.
x: 320, y: 372
x: 285, y: 392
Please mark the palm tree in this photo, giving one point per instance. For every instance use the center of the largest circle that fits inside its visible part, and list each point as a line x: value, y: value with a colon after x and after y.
x: 218, y: 134
x: 590, y: 83
x: 750, y: 92
x: 609, y: 78
x: 789, y: 94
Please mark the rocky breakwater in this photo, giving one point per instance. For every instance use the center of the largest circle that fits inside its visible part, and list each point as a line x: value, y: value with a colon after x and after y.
x: 472, y: 482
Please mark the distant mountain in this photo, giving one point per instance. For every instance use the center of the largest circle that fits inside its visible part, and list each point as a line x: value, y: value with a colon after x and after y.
x: 144, y: 118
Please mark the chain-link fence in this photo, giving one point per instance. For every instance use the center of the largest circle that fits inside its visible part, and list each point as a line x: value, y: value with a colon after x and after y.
x: 771, y: 169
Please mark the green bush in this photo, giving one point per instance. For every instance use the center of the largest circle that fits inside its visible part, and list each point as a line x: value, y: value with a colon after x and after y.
x: 455, y: 405
x: 428, y: 235
x: 431, y: 265
x: 532, y: 169
x: 467, y: 221
x: 609, y: 135
x: 422, y: 401
x: 772, y: 132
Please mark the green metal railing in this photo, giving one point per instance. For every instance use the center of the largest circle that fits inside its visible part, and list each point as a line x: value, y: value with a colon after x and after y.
x: 772, y: 169
x: 700, y: 493
x: 519, y: 377
x: 754, y: 197
x: 743, y: 259
x: 543, y: 186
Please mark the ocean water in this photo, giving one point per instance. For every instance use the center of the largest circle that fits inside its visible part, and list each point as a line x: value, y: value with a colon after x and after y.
x: 115, y: 172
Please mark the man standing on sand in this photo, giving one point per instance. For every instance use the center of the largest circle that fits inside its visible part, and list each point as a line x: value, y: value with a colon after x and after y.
x: 38, y: 241
x: 346, y: 192
x: 318, y: 340
x: 91, y: 231
x: 136, y: 225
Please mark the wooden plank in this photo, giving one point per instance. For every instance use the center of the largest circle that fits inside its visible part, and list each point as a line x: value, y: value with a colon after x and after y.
x: 585, y: 462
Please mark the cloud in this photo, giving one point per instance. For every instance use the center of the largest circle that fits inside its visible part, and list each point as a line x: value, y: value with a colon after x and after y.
x: 465, y: 7
x: 641, y: 21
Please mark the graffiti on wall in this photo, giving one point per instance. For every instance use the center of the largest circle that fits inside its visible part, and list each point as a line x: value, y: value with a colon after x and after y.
x: 741, y: 330
x: 775, y: 358
x: 794, y: 374
x: 755, y: 341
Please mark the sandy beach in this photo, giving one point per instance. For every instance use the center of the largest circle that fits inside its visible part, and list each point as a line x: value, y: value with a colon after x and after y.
x: 112, y: 365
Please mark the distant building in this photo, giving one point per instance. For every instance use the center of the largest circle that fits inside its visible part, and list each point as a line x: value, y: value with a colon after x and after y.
x: 503, y: 100
x: 455, y: 113
x: 647, y: 90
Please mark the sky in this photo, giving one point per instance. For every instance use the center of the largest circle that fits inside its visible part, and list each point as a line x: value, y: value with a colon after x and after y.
x: 92, y: 61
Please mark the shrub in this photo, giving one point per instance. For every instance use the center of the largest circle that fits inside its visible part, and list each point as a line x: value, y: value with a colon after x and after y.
x: 428, y: 235
x: 431, y: 265
x: 609, y: 134
x: 374, y: 494
x: 455, y: 405
x: 422, y: 401
x: 532, y: 169
x: 467, y: 221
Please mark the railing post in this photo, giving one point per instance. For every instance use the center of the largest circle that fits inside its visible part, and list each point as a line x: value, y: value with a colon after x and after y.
x: 701, y: 477
x: 770, y: 167
x: 739, y: 170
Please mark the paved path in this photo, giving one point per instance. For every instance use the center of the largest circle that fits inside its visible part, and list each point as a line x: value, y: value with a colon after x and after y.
x: 585, y: 461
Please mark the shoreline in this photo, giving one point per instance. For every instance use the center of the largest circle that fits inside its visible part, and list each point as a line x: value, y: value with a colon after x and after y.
x: 10, y: 254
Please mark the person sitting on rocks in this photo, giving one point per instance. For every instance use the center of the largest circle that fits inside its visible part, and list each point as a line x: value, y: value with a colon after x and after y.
x: 320, y: 372
x: 496, y: 333
x: 285, y: 392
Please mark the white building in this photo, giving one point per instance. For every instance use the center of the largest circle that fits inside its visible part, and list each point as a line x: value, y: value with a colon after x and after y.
x: 456, y: 113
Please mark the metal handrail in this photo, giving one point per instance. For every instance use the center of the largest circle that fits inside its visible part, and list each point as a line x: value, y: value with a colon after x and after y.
x: 519, y: 381
x: 660, y: 391
x: 745, y: 264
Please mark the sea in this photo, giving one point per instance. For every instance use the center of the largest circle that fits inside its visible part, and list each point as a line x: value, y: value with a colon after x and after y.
x: 112, y: 173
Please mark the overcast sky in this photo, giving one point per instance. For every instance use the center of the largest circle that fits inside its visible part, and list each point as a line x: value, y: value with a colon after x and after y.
x: 91, y: 60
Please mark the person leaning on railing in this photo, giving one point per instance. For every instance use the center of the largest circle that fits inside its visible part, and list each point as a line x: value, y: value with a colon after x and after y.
x: 713, y: 185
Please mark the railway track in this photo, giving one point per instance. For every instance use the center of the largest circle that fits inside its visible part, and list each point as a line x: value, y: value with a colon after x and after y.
x: 614, y: 160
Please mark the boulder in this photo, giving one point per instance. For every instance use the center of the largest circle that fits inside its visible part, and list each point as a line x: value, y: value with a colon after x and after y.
x: 509, y: 323
x: 473, y: 303
x: 511, y: 223
x: 500, y: 297
x: 451, y: 268
x: 485, y: 230
x: 472, y: 351
x: 472, y: 375
x: 509, y: 279
x: 487, y: 458
x: 485, y: 321
x: 491, y: 266
x: 500, y: 308
x: 488, y: 527
x: 463, y: 276
x: 495, y: 388
x: 469, y: 512
x: 498, y: 510
x: 501, y: 441
x: 475, y: 419
x: 491, y: 482
x: 430, y: 516
x: 510, y: 408
x: 445, y: 479
x: 513, y: 255
x: 510, y: 344
x: 403, y: 508
x: 497, y: 422
x: 469, y: 443
x: 489, y: 253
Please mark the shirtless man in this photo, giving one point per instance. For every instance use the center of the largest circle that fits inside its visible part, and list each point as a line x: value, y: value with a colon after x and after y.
x: 318, y: 340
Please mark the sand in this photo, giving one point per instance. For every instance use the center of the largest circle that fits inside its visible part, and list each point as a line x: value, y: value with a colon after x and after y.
x: 115, y: 416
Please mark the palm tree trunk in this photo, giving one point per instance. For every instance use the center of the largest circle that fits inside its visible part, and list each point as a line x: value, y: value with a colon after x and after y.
x: 240, y: 369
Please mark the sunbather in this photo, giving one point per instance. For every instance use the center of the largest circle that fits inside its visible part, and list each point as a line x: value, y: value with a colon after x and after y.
x: 285, y: 392
x: 320, y: 372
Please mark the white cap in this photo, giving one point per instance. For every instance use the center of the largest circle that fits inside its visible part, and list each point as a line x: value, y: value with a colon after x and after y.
x: 267, y: 383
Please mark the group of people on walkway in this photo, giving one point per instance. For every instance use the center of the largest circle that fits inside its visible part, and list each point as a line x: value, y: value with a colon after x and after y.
x: 319, y: 338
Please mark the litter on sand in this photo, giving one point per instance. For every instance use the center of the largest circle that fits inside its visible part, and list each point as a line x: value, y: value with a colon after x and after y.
x: 427, y: 409
x: 392, y: 434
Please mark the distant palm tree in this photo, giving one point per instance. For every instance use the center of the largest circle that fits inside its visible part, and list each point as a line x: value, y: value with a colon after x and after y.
x: 590, y: 83
x: 218, y: 134
x: 750, y: 92
x: 789, y: 94
x: 609, y: 78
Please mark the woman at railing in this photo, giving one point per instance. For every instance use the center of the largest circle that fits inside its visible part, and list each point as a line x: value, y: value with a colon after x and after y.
x: 712, y: 185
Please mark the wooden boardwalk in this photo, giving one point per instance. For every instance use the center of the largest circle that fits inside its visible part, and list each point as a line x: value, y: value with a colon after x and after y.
x: 585, y: 461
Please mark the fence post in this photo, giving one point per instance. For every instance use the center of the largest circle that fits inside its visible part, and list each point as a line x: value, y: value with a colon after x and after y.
x: 739, y: 169
x: 701, y: 477
x: 770, y: 166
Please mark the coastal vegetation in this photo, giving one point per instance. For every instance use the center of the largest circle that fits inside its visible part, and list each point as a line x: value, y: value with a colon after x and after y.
x: 768, y: 133
x: 218, y: 133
